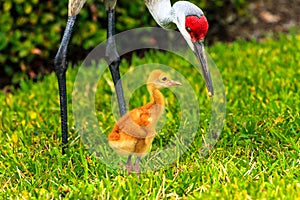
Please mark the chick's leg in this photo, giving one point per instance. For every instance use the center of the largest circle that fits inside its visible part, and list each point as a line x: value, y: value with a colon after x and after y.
x: 129, y: 164
x: 136, y: 166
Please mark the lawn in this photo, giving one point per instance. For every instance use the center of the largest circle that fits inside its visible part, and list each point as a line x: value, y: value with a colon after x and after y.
x: 257, y: 155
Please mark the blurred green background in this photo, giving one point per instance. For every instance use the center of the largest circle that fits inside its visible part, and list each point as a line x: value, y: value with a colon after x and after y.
x: 257, y: 156
x: 31, y: 30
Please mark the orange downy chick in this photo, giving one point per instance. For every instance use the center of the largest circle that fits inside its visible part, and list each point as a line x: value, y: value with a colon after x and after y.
x: 134, y: 132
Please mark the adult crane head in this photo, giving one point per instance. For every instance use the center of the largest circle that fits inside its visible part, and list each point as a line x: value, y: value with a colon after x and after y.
x: 192, y: 24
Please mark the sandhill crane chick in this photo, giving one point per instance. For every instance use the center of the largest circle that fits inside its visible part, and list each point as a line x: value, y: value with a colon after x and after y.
x: 134, y: 132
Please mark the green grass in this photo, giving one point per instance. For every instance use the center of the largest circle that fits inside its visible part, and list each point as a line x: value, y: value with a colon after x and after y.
x: 256, y: 157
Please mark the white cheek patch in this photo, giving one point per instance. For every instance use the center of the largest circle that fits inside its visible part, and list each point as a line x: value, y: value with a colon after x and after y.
x: 181, y: 26
x: 187, y: 37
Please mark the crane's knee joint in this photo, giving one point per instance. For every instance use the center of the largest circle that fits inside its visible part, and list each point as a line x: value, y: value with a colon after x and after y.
x: 110, y: 4
x: 60, y: 65
x: 114, y: 65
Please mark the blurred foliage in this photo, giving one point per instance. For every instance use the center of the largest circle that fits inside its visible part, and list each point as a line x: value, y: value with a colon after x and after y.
x: 31, y: 30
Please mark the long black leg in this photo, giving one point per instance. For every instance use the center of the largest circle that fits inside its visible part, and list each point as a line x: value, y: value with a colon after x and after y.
x: 60, y: 63
x: 114, y: 59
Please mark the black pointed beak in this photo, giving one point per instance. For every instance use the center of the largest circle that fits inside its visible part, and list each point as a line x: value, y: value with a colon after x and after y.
x: 200, y: 53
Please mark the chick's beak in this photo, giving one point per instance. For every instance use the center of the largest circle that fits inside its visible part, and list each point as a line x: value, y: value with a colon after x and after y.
x: 173, y: 83
x: 200, y: 53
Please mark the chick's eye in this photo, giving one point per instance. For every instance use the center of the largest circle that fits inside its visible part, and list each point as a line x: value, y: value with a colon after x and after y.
x: 164, y: 78
x: 188, y: 29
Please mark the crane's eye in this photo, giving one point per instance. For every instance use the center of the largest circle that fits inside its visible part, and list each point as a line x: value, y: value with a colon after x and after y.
x: 164, y: 78
x: 188, y: 29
